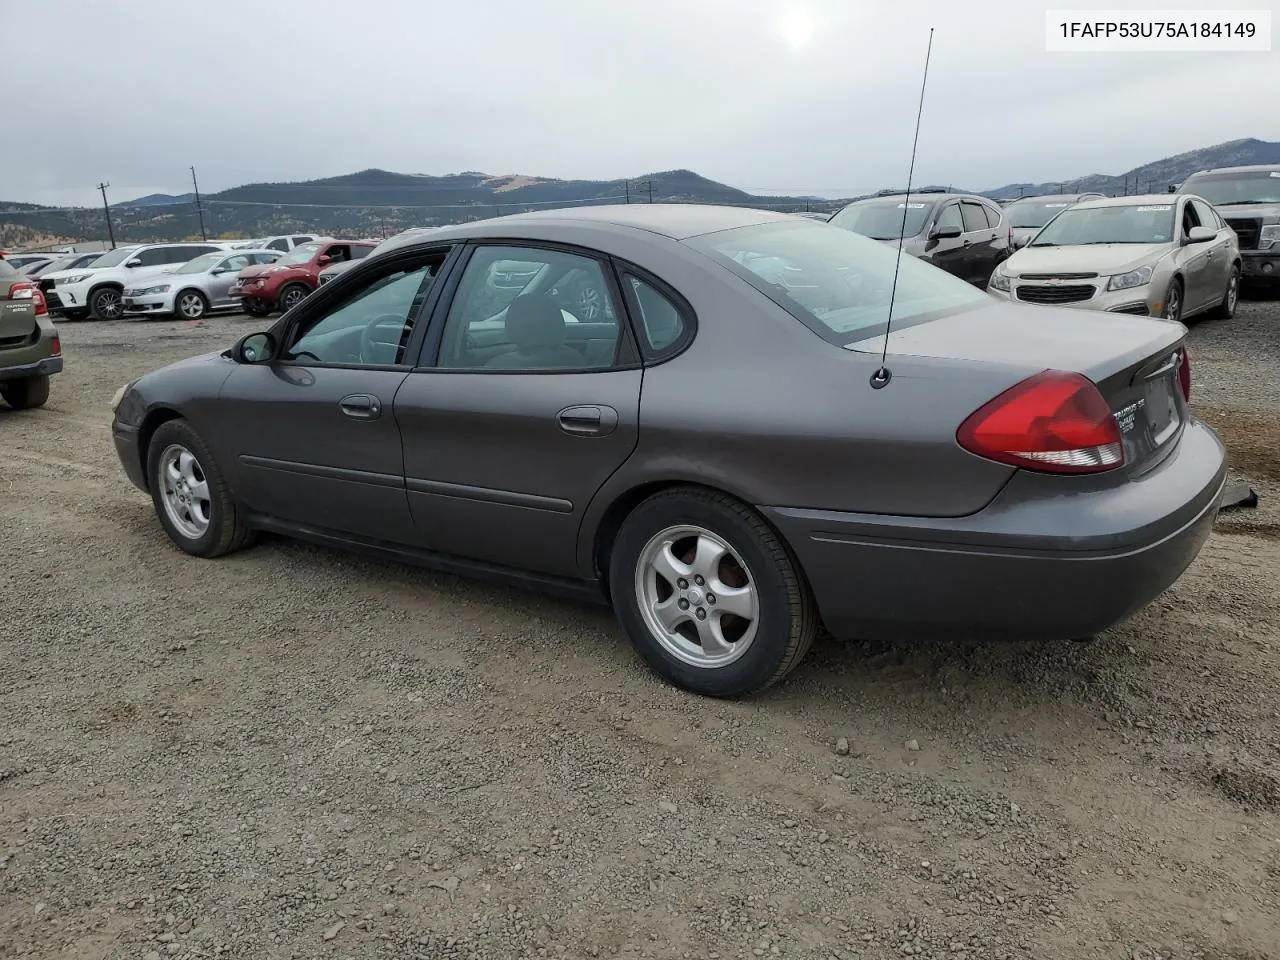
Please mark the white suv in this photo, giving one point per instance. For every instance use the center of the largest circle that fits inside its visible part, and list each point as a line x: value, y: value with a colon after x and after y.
x: 96, y: 291
x: 283, y: 244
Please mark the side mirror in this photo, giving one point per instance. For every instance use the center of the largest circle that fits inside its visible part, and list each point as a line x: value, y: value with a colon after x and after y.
x: 135, y: 262
x: 945, y: 233
x: 219, y: 270
x: 1200, y: 234
x: 255, y: 348
x: 324, y: 260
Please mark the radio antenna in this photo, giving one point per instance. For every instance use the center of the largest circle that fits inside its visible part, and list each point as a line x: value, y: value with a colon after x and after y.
x: 883, y: 374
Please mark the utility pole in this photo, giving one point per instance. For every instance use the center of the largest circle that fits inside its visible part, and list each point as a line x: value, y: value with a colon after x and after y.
x: 106, y: 208
x: 199, y: 209
x: 650, y: 184
x: 627, y: 187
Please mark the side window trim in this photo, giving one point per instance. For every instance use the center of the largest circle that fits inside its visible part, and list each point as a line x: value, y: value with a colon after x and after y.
x: 324, y: 297
x: 626, y: 355
x: 635, y: 318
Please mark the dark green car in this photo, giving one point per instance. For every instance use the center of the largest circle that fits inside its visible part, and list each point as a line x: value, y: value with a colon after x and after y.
x: 30, y: 351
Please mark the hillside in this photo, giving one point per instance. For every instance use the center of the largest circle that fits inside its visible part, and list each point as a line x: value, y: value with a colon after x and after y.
x: 368, y: 203
x: 378, y: 202
x: 1153, y: 177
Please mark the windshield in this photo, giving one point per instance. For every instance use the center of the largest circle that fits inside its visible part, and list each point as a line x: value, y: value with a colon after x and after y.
x: 1122, y: 223
x: 837, y: 282
x: 882, y: 219
x: 1224, y: 189
x: 113, y: 258
x: 301, y: 253
x: 1026, y: 214
x: 202, y: 263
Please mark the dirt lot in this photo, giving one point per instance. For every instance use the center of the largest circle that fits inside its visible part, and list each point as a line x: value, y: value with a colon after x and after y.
x: 295, y: 753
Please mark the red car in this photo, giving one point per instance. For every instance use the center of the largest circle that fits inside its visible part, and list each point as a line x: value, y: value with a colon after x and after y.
x: 280, y: 285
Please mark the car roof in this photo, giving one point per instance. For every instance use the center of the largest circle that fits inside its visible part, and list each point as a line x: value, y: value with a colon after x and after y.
x: 1253, y: 168
x: 1059, y: 198
x: 1136, y: 200
x: 923, y: 197
x: 676, y: 221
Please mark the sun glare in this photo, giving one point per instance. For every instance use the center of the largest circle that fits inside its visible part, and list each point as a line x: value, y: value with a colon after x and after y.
x: 796, y: 28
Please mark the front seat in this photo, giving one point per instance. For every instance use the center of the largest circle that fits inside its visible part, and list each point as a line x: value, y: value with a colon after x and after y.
x: 535, y: 326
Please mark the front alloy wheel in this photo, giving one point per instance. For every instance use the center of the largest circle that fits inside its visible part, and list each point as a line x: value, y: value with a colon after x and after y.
x: 184, y: 491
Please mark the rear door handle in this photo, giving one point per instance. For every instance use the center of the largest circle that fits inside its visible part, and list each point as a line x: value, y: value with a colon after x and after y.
x: 588, y: 420
x: 361, y: 406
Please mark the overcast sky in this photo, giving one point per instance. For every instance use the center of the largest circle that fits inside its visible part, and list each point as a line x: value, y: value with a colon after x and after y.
x: 805, y: 97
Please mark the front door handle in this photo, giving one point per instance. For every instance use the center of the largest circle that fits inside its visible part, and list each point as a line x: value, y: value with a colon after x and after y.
x: 361, y: 406
x: 589, y: 420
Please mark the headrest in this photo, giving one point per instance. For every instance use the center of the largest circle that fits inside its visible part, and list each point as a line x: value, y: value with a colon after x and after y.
x: 534, y: 321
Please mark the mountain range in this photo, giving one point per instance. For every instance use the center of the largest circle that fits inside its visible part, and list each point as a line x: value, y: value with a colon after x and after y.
x: 378, y: 202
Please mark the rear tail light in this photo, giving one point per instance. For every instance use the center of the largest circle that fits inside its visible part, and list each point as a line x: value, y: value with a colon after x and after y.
x: 26, y: 290
x: 57, y: 346
x: 1054, y: 421
x: 1184, y: 374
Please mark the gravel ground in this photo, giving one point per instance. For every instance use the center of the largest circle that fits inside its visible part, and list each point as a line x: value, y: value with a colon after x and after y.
x: 293, y: 752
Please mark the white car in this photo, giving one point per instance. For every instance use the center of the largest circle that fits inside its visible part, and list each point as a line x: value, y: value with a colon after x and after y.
x: 98, y: 291
x: 283, y: 243
x: 195, y: 288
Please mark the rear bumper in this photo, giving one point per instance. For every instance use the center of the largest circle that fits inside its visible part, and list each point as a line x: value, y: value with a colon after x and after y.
x: 40, y: 368
x: 1043, y: 561
x: 127, y: 449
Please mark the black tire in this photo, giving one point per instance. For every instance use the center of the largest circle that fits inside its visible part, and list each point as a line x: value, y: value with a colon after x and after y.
x: 27, y: 393
x: 190, y: 305
x: 226, y: 530
x: 106, y: 303
x: 255, y: 307
x: 291, y: 296
x: 1173, y: 298
x: 786, y: 620
x: 1230, y: 297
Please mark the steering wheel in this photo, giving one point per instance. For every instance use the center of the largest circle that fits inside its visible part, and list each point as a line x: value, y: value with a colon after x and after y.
x: 384, y: 331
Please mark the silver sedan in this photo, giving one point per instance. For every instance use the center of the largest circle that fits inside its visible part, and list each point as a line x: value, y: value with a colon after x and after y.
x: 195, y: 288
x: 1158, y: 255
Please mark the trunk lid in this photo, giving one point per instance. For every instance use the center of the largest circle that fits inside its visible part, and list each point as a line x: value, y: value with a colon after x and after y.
x: 17, y: 317
x: 1133, y: 360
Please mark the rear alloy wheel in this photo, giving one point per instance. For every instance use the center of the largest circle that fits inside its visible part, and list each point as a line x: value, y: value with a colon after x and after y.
x: 190, y: 305
x: 106, y: 304
x: 708, y: 594
x: 1230, y: 297
x: 190, y: 495
x: 26, y: 393
x: 1173, y: 302
x: 291, y: 296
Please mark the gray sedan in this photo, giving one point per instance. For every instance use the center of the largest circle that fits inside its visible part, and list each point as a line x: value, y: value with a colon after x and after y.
x: 719, y: 452
x: 196, y: 287
x: 1157, y: 255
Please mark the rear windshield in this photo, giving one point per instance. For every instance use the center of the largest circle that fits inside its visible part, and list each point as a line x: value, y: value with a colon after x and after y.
x: 1033, y: 213
x: 1222, y: 189
x: 882, y: 219
x: 837, y: 282
x: 1122, y: 223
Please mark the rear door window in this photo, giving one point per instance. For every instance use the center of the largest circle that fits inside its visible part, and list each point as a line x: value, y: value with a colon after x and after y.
x: 974, y: 218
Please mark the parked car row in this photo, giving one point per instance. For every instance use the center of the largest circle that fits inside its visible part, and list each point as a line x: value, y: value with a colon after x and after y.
x: 187, y: 280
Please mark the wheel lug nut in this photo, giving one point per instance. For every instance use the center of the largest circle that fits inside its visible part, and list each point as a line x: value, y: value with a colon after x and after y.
x: 711, y: 599
x: 698, y: 580
x: 683, y: 604
x: 701, y: 614
x: 682, y: 583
